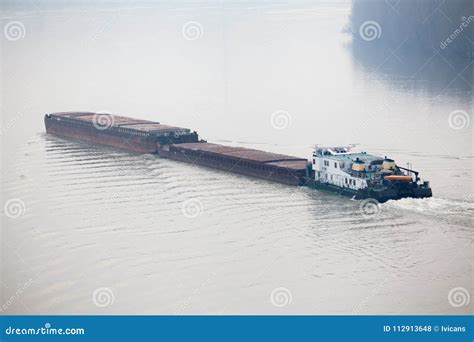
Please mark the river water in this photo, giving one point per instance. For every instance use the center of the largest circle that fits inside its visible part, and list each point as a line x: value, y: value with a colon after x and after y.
x: 95, y: 230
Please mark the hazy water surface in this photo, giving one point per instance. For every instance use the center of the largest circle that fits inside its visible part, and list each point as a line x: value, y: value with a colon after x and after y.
x: 96, y: 217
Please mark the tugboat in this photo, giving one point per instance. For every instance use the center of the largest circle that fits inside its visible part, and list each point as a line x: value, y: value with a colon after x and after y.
x: 361, y: 175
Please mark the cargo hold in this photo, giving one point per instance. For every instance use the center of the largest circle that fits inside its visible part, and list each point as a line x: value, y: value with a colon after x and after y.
x: 272, y: 166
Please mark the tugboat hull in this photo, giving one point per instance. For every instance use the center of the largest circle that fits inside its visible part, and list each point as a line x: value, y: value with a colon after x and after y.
x: 380, y: 194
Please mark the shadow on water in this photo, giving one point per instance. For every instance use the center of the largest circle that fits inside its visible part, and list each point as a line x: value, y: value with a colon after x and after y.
x: 425, y: 45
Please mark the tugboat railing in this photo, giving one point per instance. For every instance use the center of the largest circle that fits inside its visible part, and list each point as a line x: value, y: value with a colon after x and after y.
x: 412, y: 171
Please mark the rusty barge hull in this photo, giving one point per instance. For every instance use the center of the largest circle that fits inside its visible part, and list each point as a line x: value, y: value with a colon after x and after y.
x: 78, y: 132
x: 270, y: 166
x: 134, y: 135
x: 175, y: 143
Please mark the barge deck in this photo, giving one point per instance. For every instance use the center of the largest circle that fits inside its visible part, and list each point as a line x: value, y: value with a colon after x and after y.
x: 272, y: 166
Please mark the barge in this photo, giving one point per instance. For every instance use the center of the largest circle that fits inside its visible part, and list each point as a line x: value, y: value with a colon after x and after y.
x: 135, y: 135
x: 275, y: 167
x: 337, y: 169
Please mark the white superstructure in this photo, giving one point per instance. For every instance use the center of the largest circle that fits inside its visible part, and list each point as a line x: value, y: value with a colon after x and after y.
x: 346, y: 169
